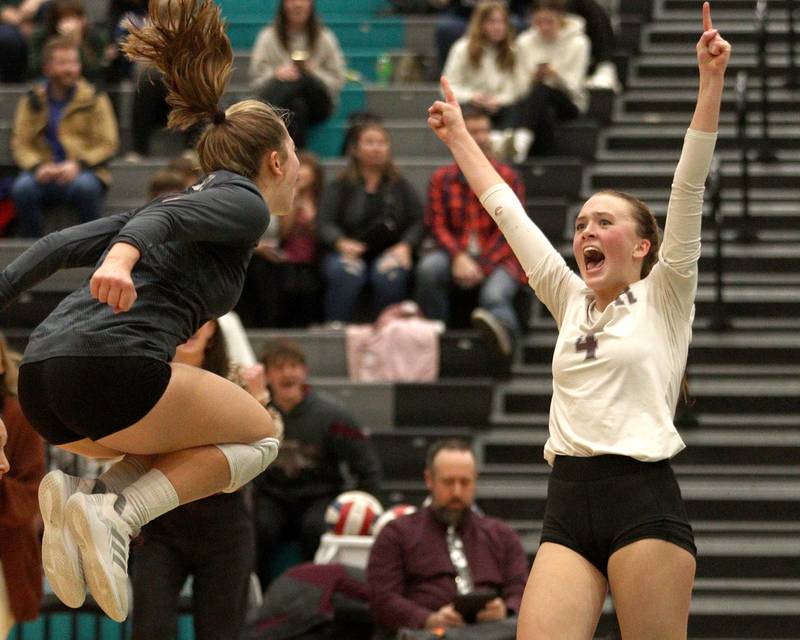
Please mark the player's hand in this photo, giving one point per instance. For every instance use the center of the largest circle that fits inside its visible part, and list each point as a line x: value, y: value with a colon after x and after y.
x: 713, y: 51
x: 112, y: 284
x: 445, y: 117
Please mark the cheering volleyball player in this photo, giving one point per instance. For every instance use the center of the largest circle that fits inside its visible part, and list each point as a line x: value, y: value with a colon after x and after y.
x: 614, y: 515
x: 96, y: 377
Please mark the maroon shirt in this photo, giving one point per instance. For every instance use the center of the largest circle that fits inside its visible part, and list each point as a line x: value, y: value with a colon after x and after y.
x: 410, y: 574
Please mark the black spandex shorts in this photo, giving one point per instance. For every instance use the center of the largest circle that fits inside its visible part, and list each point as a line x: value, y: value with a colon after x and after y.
x: 599, y: 504
x: 72, y: 398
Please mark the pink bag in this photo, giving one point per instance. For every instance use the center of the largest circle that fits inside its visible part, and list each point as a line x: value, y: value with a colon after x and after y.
x: 401, y: 346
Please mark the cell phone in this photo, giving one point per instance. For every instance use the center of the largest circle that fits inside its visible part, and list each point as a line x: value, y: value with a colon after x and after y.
x: 469, y: 604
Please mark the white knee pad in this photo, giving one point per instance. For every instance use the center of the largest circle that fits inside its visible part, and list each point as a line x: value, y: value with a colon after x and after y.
x: 246, y: 461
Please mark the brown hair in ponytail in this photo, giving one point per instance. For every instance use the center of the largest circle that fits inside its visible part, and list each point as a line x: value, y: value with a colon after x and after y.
x: 186, y: 41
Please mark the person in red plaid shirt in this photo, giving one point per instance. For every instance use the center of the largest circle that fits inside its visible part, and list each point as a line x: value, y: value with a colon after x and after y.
x: 470, y: 250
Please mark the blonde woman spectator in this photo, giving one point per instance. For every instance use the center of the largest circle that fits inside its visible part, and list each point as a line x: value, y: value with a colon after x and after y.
x: 483, y: 68
x: 297, y: 65
x: 555, y: 54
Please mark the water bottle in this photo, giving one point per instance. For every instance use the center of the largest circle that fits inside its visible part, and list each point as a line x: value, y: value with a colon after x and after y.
x: 384, y: 68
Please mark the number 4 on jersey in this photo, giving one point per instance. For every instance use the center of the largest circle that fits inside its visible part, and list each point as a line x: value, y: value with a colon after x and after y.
x: 587, y: 343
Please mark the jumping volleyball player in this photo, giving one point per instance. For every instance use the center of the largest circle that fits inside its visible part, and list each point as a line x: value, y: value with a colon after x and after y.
x: 96, y: 379
x: 614, y: 515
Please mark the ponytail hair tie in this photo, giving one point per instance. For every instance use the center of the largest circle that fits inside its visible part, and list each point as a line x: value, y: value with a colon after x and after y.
x: 219, y: 117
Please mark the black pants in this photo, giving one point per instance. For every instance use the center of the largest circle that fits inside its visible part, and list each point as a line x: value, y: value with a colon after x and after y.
x: 598, y: 29
x: 541, y: 111
x: 211, y: 540
x: 308, y: 100
x: 13, y: 54
x: 280, y: 294
x: 279, y: 521
x: 150, y: 111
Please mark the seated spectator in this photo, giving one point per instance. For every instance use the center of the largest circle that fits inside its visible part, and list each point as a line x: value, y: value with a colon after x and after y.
x: 297, y: 65
x: 602, y: 68
x: 67, y: 18
x: 180, y: 174
x: 555, y: 52
x: 21, y: 469
x: 17, y: 23
x: 420, y: 562
x: 64, y: 135
x: 187, y: 165
x: 482, y: 67
x: 150, y: 108
x: 121, y: 13
x: 165, y: 181
x: 454, y: 16
x: 211, y: 540
x: 371, y: 221
x: 282, y: 285
x: 470, y: 252
x: 320, y: 437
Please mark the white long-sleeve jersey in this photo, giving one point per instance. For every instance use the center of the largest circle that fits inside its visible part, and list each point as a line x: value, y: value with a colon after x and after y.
x: 617, y: 373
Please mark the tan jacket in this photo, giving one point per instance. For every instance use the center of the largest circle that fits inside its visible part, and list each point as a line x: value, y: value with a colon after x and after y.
x: 88, y: 130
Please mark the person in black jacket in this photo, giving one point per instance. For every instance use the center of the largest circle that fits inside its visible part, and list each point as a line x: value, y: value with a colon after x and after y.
x: 96, y: 377
x: 370, y: 219
x: 320, y: 436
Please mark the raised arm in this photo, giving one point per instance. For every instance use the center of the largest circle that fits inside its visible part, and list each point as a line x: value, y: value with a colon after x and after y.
x: 680, y: 249
x: 544, y: 267
x: 713, y: 54
x: 445, y: 118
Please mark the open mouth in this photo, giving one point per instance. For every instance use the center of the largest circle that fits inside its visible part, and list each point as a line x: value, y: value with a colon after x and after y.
x: 593, y: 258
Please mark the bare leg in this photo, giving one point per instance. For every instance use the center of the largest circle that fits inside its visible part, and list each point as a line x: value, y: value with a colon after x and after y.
x: 197, y: 409
x: 89, y: 449
x: 563, y: 598
x: 651, y: 582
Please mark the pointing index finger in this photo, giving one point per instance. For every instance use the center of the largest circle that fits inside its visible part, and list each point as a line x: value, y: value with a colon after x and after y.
x: 707, y: 17
x: 447, y: 91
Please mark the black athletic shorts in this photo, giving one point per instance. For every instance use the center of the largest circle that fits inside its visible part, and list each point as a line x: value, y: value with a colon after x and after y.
x: 599, y: 504
x: 72, y: 398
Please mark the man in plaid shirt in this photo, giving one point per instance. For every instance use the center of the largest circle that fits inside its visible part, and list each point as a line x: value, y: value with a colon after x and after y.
x: 470, y: 249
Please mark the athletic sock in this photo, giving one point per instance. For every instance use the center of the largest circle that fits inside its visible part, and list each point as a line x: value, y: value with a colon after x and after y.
x: 119, y: 475
x: 146, y: 499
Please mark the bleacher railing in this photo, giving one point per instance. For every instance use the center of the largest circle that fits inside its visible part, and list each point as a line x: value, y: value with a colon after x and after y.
x: 719, y: 318
x: 765, y: 153
x: 746, y: 233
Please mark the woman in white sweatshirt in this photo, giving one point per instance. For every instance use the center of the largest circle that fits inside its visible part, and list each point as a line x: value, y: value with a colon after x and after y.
x: 483, y: 68
x: 555, y: 54
x: 297, y: 64
x: 614, y: 517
